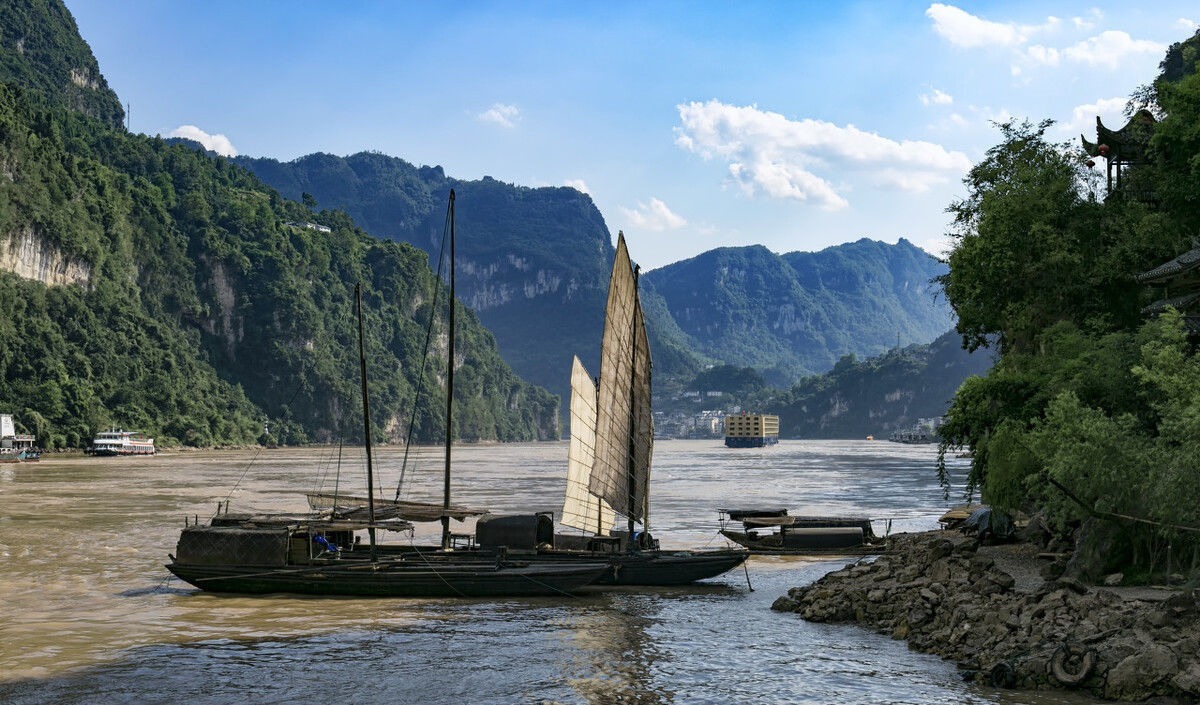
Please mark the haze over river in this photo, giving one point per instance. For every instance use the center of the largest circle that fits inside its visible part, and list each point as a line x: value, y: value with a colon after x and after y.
x: 91, y: 616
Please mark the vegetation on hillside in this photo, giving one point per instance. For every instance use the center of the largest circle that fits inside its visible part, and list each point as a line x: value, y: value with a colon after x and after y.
x: 877, y: 395
x: 534, y: 262
x: 214, y: 307
x: 1091, y: 417
x: 42, y: 50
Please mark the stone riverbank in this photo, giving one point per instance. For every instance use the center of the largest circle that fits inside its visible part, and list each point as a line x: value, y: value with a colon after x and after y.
x: 988, y: 609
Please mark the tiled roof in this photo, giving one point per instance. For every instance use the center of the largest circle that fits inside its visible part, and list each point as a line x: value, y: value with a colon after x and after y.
x: 1179, y: 303
x: 1183, y: 263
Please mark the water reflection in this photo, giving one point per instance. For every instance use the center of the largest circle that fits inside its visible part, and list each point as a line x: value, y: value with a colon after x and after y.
x: 92, y: 618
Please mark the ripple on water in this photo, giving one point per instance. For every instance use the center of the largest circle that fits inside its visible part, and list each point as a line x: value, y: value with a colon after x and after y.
x: 87, y: 621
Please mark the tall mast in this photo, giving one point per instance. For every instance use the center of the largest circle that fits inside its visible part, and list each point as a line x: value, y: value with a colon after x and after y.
x: 631, y: 482
x: 640, y: 320
x: 362, y: 375
x: 449, y: 392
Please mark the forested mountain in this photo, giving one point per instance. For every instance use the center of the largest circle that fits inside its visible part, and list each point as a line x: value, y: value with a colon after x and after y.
x: 534, y: 263
x: 152, y: 286
x: 880, y: 394
x: 796, y: 314
x: 40, y: 48
x: 537, y: 263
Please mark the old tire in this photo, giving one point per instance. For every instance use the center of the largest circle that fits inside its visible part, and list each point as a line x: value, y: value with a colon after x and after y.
x: 1003, y: 675
x: 1060, y: 666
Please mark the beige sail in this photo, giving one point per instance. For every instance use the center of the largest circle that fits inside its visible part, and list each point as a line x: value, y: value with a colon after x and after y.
x: 624, y: 429
x: 582, y: 509
x: 643, y: 417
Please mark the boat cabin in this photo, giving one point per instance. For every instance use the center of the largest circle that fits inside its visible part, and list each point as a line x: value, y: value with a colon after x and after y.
x: 796, y: 534
x: 273, y: 540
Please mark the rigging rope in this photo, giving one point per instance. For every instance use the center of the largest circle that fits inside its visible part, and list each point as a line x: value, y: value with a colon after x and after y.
x: 437, y: 288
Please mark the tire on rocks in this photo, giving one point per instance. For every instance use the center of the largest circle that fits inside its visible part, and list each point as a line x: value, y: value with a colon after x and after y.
x: 1064, y: 656
x: 1003, y: 675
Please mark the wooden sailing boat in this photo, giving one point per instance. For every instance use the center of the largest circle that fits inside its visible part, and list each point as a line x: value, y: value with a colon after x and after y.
x: 612, y: 442
x: 316, y: 553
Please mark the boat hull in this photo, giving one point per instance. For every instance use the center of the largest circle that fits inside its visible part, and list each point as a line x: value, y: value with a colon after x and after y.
x: 110, y: 452
x: 751, y: 441
x: 666, y: 568
x: 392, y: 579
x: 810, y: 541
x: 646, y: 568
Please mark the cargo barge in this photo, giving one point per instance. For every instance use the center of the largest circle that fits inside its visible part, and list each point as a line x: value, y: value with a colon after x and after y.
x: 751, y: 430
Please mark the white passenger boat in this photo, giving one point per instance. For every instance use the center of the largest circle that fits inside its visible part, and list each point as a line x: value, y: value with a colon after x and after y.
x: 118, y: 442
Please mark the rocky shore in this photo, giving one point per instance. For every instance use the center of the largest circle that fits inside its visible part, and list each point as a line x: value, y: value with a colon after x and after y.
x: 989, y: 609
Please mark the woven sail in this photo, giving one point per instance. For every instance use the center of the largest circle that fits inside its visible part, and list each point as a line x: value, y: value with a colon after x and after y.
x: 582, y: 509
x: 621, y: 471
x: 643, y: 418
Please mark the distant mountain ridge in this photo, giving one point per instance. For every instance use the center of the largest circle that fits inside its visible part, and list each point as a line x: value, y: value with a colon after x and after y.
x: 881, y: 394
x: 796, y: 314
x: 534, y: 262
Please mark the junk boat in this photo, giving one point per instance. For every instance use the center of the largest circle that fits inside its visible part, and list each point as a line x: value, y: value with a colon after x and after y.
x: 801, y: 534
x: 608, y: 466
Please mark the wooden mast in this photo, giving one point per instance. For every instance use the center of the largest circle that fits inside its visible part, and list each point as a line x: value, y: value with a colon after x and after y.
x: 631, y: 482
x: 449, y: 392
x: 362, y: 374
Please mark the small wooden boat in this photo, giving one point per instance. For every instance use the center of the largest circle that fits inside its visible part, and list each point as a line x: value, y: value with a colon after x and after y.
x: 317, y: 555
x: 801, y: 534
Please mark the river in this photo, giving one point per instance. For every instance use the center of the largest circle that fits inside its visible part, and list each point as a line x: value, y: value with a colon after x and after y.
x: 90, y: 615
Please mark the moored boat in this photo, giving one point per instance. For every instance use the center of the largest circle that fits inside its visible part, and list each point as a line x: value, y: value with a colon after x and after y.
x: 120, y: 442
x: 317, y: 554
x: 16, y: 447
x: 801, y: 534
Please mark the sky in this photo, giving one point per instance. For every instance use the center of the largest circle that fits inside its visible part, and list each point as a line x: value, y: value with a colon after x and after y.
x: 692, y: 125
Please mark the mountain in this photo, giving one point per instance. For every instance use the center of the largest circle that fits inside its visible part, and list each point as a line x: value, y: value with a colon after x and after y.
x: 798, y: 313
x: 149, y: 285
x: 880, y: 394
x: 536, y: 264
x: 532, y: 262
x: 40, y: 48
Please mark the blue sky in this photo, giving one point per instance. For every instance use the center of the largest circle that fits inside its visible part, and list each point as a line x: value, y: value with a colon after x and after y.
x: 692, y: 125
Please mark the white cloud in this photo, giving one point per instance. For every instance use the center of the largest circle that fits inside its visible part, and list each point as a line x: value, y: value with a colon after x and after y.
x: 1111, y: 49
x: 653, y: 216
x: 501, y: 114
x: 1186, y: 24
x: 215, y: 143
x: 1087, y: 24
x: 1038, y: 54
x: 963, y: 29
x: 577, y: 184
x: 783, y: 158
x: 936, y: 97
x: 1083, y: 117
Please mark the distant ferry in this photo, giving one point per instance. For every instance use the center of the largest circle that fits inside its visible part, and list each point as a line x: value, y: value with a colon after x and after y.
x: 751, y: 430
x: 115, y: 442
